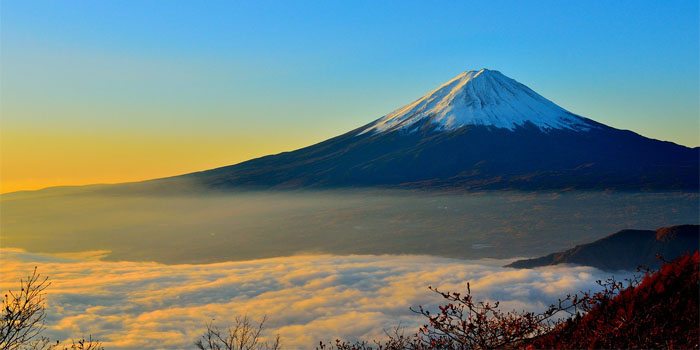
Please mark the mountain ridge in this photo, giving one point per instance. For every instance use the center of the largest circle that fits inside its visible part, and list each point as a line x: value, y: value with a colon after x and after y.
x: 471, y: 158
x: 625, y: 249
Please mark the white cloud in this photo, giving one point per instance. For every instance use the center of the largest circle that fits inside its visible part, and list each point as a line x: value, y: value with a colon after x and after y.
x: 136, y: 305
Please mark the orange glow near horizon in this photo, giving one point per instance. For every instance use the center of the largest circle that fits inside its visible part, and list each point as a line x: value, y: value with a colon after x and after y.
x: 65, y: 159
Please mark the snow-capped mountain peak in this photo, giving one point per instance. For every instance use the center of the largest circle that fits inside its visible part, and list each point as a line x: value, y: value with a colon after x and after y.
x: 481, y: 97
x: 527, y: 143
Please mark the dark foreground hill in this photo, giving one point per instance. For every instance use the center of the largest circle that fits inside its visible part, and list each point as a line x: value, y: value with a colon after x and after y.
x: 662, y: 312
x: 625, y: 250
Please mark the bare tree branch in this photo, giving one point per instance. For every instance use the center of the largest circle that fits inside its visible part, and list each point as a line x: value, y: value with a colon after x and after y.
x: 243, y: 334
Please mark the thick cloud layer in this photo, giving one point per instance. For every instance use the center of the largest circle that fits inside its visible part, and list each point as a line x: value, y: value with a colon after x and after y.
x: 137, y: 305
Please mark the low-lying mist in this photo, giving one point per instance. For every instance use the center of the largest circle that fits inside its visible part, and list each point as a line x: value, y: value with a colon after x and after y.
x: 200, y: 228
x: 146, y: 305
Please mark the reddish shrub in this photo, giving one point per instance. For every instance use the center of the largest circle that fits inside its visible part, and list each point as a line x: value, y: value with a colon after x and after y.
x: 661, y: 312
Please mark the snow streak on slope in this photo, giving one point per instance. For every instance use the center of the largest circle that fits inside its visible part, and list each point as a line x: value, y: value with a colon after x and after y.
x: 483, y: 97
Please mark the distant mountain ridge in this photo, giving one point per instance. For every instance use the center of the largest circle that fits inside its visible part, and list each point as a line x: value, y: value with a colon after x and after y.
x: 479, y: 131
x: 625, y: 250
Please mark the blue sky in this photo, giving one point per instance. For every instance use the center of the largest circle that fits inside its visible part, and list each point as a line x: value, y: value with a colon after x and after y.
x: 241, y: 79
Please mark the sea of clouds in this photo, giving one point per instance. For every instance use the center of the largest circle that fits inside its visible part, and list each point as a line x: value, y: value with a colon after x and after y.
x: 144, y: 305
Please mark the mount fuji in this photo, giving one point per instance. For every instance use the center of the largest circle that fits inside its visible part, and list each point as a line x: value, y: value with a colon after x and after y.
x: 480, y: 130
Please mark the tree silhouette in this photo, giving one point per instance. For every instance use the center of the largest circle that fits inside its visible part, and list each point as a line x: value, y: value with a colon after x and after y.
x: 23, y: 315
x: 243, y: 334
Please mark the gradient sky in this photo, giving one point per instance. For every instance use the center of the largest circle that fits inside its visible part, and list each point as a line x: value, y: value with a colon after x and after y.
x: 112, y: 91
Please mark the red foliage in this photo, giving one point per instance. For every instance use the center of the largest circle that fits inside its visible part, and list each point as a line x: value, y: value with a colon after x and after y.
x: 661, y: 312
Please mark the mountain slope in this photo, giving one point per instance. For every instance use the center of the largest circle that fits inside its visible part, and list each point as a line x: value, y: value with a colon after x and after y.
x: 661, y: 312
x: 625, y: 250
x: 480, y: 130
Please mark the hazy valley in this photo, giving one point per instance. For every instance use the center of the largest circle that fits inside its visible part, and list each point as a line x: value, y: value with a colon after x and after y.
x: 200, y: 228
